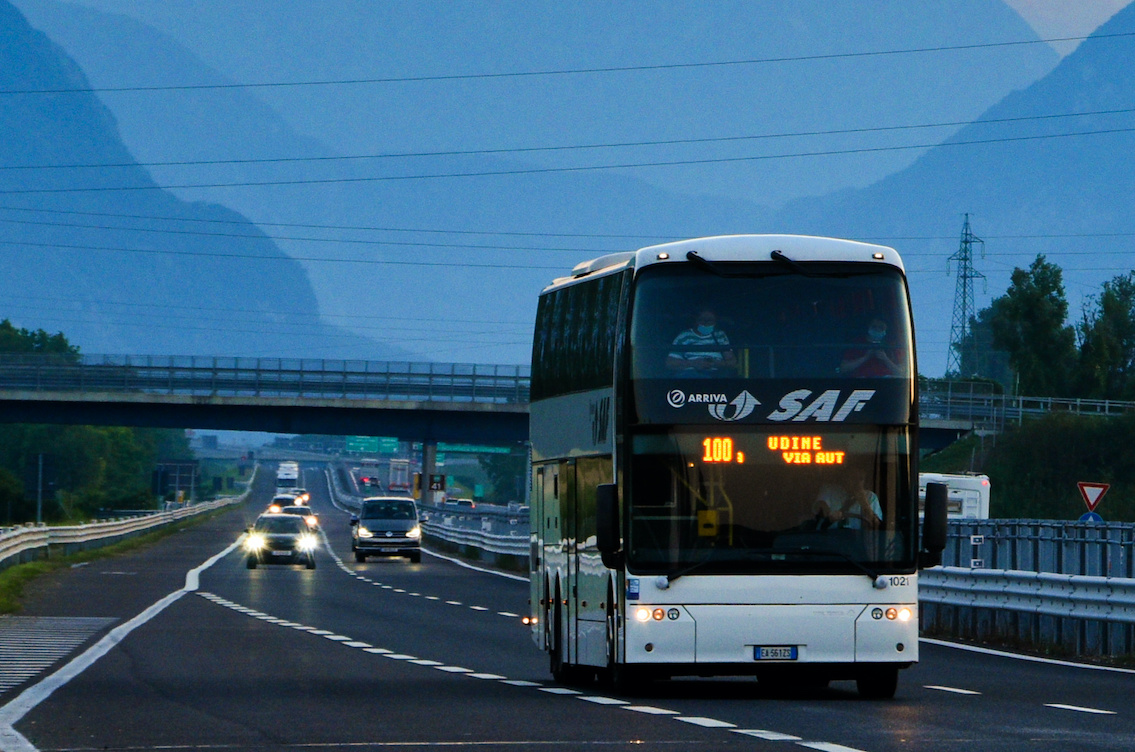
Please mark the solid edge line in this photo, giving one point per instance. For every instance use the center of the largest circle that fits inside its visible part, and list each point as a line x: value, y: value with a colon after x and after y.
x: 12, y: 712
x: 1021, y: 657
x: 460, y: 563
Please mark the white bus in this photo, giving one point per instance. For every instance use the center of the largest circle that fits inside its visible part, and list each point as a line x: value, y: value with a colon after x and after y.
x: 739, y: 498
x: 967, y: 495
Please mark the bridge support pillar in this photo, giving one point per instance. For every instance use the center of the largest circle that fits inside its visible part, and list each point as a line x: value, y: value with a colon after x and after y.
x: 430, y: 493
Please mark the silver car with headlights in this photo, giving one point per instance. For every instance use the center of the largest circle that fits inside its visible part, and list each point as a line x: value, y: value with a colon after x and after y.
x: 386, y: 526
x: 280, y: 539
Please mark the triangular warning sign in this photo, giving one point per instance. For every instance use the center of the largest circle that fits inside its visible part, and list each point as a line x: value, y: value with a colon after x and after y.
x: 1092, y: 493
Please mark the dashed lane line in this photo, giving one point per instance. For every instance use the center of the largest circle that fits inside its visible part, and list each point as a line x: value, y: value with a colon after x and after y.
x: 602, y: 700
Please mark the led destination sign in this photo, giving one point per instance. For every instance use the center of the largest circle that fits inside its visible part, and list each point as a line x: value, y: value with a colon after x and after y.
x: 794, y: 450
x: 804, y: 450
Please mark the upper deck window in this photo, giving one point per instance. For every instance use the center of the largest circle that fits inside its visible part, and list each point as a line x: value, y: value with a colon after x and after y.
x: 842, y: 321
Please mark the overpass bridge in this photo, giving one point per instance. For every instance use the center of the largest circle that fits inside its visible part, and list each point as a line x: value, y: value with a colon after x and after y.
x: 430, y: 402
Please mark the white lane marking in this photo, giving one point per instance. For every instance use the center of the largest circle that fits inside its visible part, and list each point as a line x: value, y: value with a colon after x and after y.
x: 454, y: 603
x: 954, y: 690
x: 460, y: 563
x: 704, y: 722
x: 600, y: 700
x: 508, y: 614
x: 769, y: 736
x: 337, y: 637
x: 30, y: 644
x: 828, y: 747
x: 521, y: 683
x: 321, y: 632
x: 1020, y: 657
x: 478, y: 608
x: 454, y: 669
x: 377, y: 651
x: 426, y: 662
x: 357, y: 644
x: 559, y: 691
x: 487, y: 676
x: 1079, y: 709
x: 22, y: 704
x: 400, y: 656
x: 650, y: 710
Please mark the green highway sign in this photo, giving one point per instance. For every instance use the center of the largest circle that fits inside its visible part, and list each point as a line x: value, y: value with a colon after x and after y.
x: 362, y: 444
x: 472, y: 448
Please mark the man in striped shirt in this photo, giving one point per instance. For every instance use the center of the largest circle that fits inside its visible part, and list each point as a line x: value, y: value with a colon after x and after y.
x: 709, y: 353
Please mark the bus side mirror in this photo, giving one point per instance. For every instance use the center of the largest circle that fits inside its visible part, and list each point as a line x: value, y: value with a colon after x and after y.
x: 607, y: 524
x: 933, y: 525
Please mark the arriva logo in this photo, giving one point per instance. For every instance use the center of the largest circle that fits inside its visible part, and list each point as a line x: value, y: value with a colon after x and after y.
x: 676, y: 398
x: 743, y: 404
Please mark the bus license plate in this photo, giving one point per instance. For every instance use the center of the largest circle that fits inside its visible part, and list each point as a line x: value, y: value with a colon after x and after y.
x: 776, y: 653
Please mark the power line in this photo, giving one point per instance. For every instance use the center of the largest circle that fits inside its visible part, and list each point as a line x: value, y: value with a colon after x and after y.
x: 504, y: 233
x: 551, y: 170
x: 570, y: 147
x: 278, y: 257
x: 569, y: 71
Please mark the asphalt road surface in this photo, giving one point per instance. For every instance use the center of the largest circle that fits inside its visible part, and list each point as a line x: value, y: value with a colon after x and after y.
x: 394, y: 656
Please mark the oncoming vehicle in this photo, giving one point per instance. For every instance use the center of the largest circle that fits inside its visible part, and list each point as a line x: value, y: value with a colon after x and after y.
x: 305, y: 512
x: 280, y: 539
x: 279, y: 501
x: 724, y: 456
x: 386, y: 526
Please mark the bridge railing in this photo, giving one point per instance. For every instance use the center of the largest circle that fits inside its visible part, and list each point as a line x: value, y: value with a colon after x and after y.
x: 978, y: 403
x: 267, y: 377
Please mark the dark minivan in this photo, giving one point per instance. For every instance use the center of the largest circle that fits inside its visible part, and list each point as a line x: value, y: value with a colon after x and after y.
x: 386, y: 526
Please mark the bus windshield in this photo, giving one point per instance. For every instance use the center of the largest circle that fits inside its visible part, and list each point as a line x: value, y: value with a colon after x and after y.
x: 845, y: 320
x: 770, y: 501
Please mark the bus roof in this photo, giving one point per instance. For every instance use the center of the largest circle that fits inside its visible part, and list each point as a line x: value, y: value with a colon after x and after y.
x: 741, y: 248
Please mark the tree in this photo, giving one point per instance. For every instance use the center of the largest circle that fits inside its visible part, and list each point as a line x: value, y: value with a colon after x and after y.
x: 979, y: 358
x: 13, y: 340
x: 1107, y: 341
x: 1028, y: 323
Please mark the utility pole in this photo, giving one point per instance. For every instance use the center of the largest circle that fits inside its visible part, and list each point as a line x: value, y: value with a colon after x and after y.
x: 963, y: 300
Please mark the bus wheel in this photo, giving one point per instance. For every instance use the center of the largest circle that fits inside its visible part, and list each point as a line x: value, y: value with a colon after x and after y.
x: 878, y: 683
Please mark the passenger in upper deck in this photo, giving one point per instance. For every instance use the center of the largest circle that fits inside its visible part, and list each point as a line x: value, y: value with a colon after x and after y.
x: 710, y: 355
x: 874, y: 358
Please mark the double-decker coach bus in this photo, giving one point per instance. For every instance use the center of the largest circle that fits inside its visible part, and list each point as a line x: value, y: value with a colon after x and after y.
x: 724, y: 458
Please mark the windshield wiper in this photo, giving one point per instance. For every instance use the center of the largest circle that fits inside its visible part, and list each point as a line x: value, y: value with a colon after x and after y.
x: 671, y: 576
x: 706, y: 264
x: 795, y: 266
x: 875, y: 576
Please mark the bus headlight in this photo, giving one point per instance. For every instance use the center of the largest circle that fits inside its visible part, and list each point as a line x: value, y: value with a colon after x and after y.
x: 904, y: 614
x: 642, y: 614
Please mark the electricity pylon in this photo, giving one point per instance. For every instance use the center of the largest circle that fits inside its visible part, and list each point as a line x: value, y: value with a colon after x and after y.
x: 963, y: 300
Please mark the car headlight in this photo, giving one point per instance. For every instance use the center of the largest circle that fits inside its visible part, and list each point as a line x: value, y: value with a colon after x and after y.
x: 311, y: 521
x: 364, y: 533
x: 255, y: 541
x: 307, y: 542
x: 414, y: 532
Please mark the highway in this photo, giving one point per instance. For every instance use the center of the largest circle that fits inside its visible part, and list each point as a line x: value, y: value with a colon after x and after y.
x: 390, y: 655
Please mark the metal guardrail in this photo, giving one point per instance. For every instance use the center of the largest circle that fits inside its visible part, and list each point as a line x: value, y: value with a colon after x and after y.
x: 1071, y: 613
x: 22, y: 544
x: 266, y: 377
x: 1070, y: 548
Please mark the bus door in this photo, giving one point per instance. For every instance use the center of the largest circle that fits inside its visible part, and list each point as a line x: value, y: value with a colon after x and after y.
x: 569, y: 512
